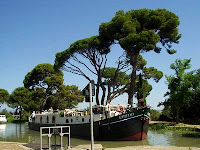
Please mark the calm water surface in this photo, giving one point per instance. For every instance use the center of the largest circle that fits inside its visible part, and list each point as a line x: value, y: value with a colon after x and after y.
x: 21, y: 133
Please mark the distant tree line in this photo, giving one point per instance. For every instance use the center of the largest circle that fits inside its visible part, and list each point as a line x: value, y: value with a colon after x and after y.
x: 43, y: 88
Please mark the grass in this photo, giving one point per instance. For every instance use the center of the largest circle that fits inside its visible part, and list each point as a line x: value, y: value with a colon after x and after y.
x: 158, y: 126
x: 19, y: 121
x: 161, y: 126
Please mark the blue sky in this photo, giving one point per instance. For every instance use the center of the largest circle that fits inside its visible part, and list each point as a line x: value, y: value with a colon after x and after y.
x: 32, y: 32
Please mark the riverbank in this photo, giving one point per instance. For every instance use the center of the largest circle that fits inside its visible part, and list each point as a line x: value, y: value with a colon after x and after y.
x: 20, y: 133
x: 99, y: 147
x: 23, y: 146
x: 13, y: 146
x: 153, y: 148
x: 156, y: 125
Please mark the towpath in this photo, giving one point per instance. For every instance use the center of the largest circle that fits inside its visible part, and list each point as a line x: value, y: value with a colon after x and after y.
x: 22, y: 146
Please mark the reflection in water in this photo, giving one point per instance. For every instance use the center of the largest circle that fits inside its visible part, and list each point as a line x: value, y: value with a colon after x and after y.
x: 2, y: 129
x: 174, y: 138
x: 21, y: 133
x: 156, y: 138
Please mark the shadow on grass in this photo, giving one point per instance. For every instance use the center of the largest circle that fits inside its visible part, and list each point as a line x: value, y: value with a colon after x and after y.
x: 191, y: 135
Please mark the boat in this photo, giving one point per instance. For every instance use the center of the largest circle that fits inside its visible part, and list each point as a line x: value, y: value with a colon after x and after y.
x: 110, y: 122
x: 3, y: 119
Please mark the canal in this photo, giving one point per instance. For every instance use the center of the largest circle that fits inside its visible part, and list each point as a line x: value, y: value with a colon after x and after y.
x: 21, y: 133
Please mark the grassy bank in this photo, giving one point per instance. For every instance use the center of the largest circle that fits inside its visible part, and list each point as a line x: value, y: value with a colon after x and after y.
x: 172, y: 126
x: 16, y: 120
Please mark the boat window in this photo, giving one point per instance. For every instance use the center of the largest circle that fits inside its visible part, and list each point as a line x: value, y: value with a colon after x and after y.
x: 47, y: 119
x: 71, y: 120
x: 67, y: 121
x: 53, y: 119
x: 41, y: 119
x: 82, y: 119
x: 89, y: 120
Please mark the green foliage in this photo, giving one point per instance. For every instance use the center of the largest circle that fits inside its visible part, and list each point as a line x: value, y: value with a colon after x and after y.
x: 80, y: 46
x: 5, y: 112
x: 141, y: 31
x: 136, y: 31
x: 155, y: 115
x: 161, y: 126
x: 61, y: 114
x: 43, y: 81
x: 190, y: 112
x: 153, y: 73
x: 44, y: 76
x: 25, y: 115
x: 37, y: 97
x: 90, y: 49
x: 9, y: 115
x: 67, y: 97
x: 10, y: 119
x: 4, y: 96
x: 183, y: 91
x: 166, y: 115
x: 158, y: 126
x: 144, y: 90
x: 116, y: 78
x: 19, y: 121
x: 19, y: 97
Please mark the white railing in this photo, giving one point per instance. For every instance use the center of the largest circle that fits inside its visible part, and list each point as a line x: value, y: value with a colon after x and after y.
x: 56, y: 130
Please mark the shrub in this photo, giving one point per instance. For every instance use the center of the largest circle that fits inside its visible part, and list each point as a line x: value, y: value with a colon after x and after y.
x: 159, y: 126
x: 166, y: 115
x: 61, y: 114
x: 155, y: 115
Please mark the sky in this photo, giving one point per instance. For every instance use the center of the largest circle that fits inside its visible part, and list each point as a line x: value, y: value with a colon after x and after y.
x: 32, y: 32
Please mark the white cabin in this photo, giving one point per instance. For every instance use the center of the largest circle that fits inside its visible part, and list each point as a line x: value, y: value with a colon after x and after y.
x: 73, y: 116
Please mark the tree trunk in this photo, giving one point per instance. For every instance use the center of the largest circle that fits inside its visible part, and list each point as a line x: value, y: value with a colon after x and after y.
x: 97, y: 93
x: 177, y: 115
x: 102, y: 87
x: 109, y: 94
x: 43, y: 103
x: 133, y: 62
x: 103, y: 95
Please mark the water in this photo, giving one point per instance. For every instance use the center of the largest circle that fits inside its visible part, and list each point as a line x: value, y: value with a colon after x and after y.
x: 21, y: 133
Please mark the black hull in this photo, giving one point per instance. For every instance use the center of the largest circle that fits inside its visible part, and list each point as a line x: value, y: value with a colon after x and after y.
x: 129, y: 128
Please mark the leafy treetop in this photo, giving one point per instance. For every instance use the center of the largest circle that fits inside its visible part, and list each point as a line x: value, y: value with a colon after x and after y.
x: 4, y: 95
x: 139, y: 31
